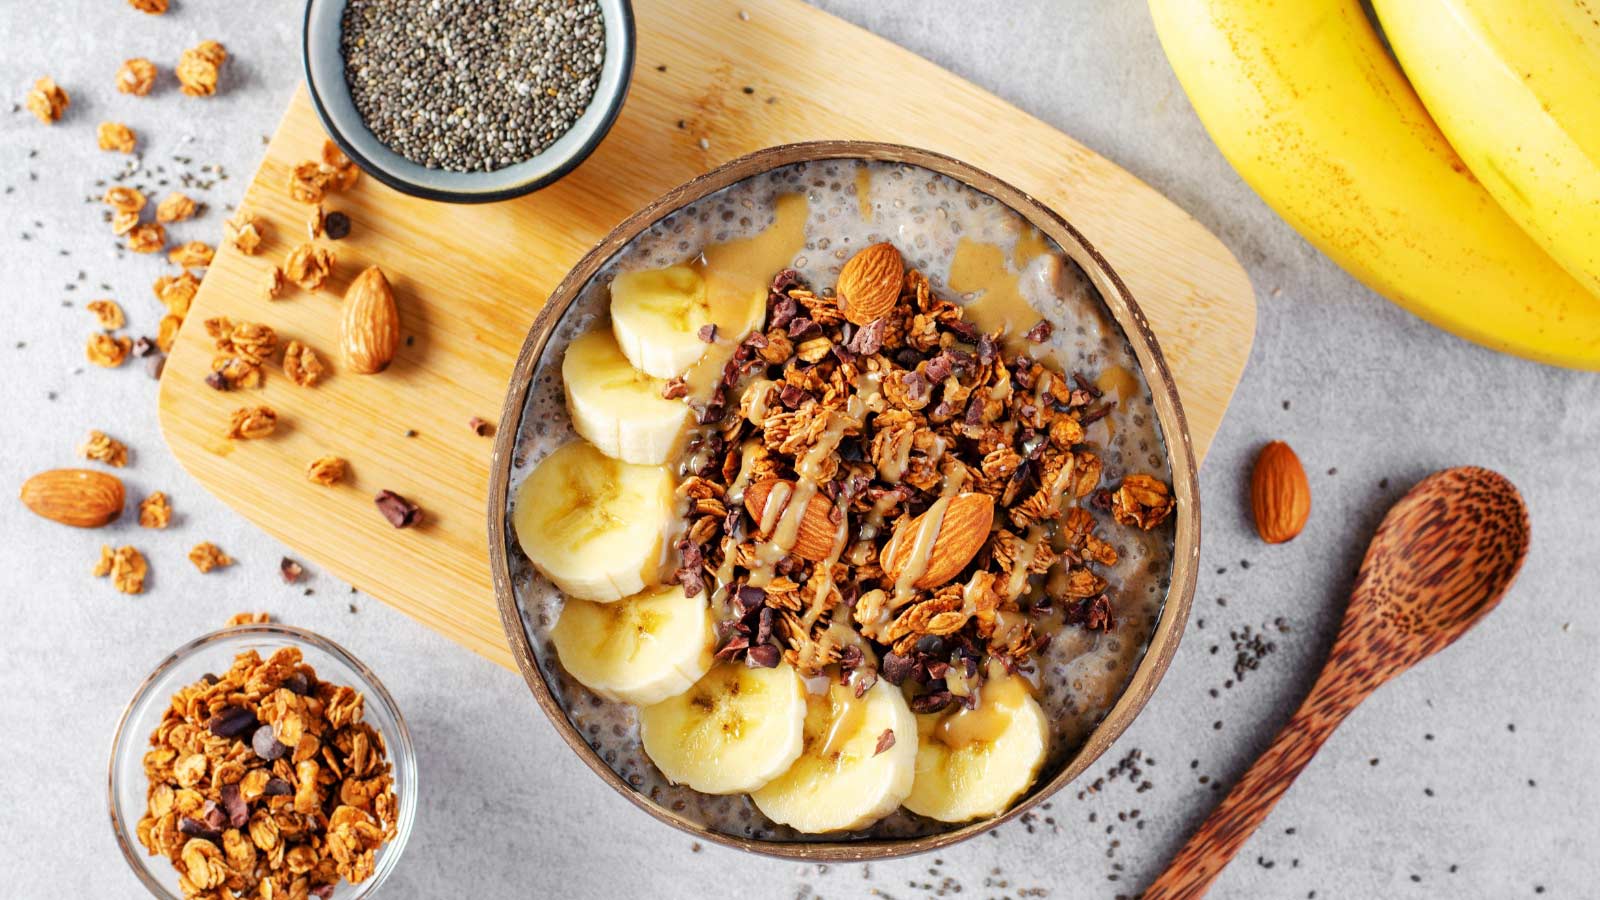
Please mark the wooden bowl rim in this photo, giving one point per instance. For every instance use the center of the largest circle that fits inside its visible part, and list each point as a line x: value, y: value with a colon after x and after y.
x: 1169, y: 412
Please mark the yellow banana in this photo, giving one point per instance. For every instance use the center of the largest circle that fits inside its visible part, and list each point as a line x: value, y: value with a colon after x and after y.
x: 1515, y: 86
x: 1303, y: 100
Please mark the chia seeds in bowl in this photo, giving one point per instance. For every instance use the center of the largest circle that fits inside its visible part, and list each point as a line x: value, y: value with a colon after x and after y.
x: 474, y: 89
x: 468, y: 100
x: 1090, y: 684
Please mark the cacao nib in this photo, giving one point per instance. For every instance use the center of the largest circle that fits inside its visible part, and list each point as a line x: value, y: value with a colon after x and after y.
x: 885, y: 741
x: 803, y: 328
x: 231, y: 722
x: 233, y: 804
x: 298, y: 683
x: 290, y: 570
x: 896, y: 668
x: 1087, y: 386
x: 765, y: 656
x: 764, y: 625
x: 1092, y: 613
x: 1100, y: 499
x: 986, y: 350
x: 1096, y: 414
x: 675, y: 388
x: 1040, y: 332
x: 197, y: 828
x: 756, y: 340
x: 708, y: 333
x: 735, y: 645
x: 849, y: 658
x: 213, y: 816
x: 216, y: 382
x: 962, y: 329
x: 930, y: 702
x: 783, y: 312
x: 792, y: 396
x: 939, y: 368
x: 868, y: 339
x: 277, y: 787
x: 266, y: 744
x: 400, y: 512
x: 865, y: 681
x: 784, y: 281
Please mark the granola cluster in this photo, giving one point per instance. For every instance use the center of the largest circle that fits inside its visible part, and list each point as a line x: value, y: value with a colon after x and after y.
x: 888, y: 417
x: 266, y: 783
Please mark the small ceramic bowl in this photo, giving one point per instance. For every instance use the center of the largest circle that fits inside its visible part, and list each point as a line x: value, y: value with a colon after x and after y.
x: 330, y: 94
x: 128, y: 786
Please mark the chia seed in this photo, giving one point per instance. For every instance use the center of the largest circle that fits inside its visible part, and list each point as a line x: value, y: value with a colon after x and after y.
x: 471, y: 89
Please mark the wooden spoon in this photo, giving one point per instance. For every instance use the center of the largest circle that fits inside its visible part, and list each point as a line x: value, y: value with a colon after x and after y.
x: 1442, y: 557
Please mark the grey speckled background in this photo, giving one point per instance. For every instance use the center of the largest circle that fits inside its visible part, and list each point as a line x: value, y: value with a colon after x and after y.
x: 1362, y: 390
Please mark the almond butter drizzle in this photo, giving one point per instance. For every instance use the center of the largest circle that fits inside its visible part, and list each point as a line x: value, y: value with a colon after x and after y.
x: 737, y: 275
x: 927, y: 533
x: 1121, y: 382
x: 1018, y: 581
x: 847, y: 715
x: 790, y: 505
x: 998, y: 700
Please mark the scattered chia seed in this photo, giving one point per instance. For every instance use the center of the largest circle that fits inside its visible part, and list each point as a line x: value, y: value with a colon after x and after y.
x: 471, y: 92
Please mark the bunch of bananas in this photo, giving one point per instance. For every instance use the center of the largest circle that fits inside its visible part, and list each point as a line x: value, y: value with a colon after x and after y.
x: 1467, y: 193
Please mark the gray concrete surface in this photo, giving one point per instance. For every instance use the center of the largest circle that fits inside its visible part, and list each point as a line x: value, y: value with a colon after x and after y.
x: 1472, y: 777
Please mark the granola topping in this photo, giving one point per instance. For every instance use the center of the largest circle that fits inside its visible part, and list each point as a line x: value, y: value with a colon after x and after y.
x: 197, y: 68
x: 47, y: 100
x: 251, y: 423
x: 115, y: 136
x: 155, y: 511
x: 326, y: 470
x: 107, y: 313
x: 207, y: 556
x: 125, y: 565
x: 101, y: 447
x: 309, y: 266
x: 136, y: 76
x: 175, y: 207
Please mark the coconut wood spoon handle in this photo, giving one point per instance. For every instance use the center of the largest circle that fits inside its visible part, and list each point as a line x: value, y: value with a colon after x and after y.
x: 1442, y: 558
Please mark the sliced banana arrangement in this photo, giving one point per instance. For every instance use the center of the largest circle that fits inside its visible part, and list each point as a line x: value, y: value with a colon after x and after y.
x: 657, y: 315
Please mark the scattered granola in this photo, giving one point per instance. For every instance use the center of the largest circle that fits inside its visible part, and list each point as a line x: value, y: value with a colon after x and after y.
x: 125, y: 565
x: 176, y: 292
x: 107, y: 313
x: 207, y: 556
x: 327, y: 470
x: 310, y: 182
x: 301, y: 364
x: 136, y: 76
x: 197, y: 68
x: 274, y: 283
x: 148, y: 237
x: 47, y: 100
x: 265, y: 782
x: 245, y: 232
x: 251, y: 423
x: 1142, y: 501
x: 346, y: 172
x: 154, y: 7
x: 167, y: 331
x: 249, y: 618
x: 155, y: 511
x: 102, y: 447
x: 175, y: 207
x: 115, y: 136
x: 309, y: 266
x: 107, y: 350
x: 314, y: 222
x: 123, y: 222
x: 124, y: 199
x: 193, y: 255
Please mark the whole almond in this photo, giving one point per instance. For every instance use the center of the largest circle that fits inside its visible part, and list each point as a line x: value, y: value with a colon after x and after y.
x: 82, y: 498
x: 962, y: 531
x: 1280, y: 496
x: 369, y: 331
x: 869, y: 284
x: 816, y: 532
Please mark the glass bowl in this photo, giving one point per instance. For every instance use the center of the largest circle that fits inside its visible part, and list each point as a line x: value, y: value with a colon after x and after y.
x: 214, y: 653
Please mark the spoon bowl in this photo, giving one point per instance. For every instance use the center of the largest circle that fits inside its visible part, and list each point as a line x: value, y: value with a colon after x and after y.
x: 1440, y: 560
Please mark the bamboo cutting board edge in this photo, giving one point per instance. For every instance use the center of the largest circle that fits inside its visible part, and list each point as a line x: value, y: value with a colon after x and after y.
x: 468, y: 309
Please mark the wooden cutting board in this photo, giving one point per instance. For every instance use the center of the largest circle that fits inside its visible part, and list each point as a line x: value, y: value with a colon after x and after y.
x: 709, y: 85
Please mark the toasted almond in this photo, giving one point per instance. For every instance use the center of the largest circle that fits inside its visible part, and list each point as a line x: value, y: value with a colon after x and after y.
x: 869, y: 284
x: 82, y: 498
x: 962, y: 531
x: 1280, y: 496
x: 816, y: 532
x: 369, y: 332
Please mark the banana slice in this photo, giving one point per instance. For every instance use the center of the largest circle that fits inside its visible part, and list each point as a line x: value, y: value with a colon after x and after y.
x: 618, y: 408
x: 841, y: 781
x: 735, y: 730
x: 657, y: 315
x: 975, y: 763
x: 640, y: 650
x: 592, y: 524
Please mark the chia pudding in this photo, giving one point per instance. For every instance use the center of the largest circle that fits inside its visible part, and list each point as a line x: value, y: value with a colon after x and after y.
x: 471, y: 85
x: 1004, y: 274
